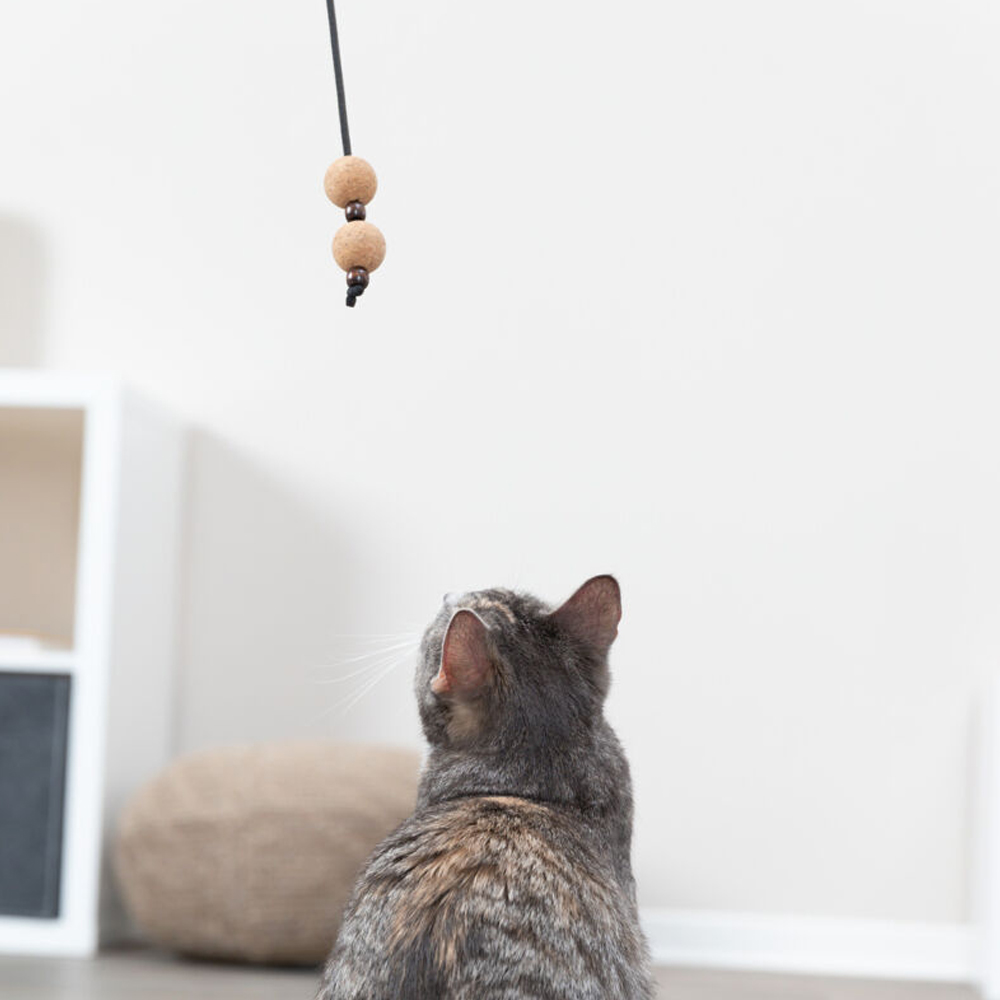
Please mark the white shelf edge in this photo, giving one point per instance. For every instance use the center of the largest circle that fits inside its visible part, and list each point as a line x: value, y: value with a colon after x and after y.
x: 55, y: 661
x: 31, y: 388
x: 46, y: 936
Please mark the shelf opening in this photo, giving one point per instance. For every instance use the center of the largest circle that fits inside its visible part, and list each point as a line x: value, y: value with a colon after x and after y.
x: 41, y: 460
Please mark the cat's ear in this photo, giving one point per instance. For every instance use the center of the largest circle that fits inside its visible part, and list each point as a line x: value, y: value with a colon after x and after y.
x: 465, y: 662
x: 593, y: 613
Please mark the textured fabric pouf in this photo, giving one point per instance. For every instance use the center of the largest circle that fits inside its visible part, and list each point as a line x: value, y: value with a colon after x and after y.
x: 251, y: 853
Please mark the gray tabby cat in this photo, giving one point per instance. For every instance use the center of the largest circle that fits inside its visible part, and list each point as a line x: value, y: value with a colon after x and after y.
x: 512, y: 879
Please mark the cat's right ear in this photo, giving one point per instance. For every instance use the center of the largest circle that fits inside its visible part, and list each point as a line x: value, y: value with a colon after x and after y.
x: 465, y: 663
x: 593, y: 613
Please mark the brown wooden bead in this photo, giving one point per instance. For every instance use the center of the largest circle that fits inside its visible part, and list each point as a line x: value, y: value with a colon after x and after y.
x: 359, y: 244
x: 354, y: 211
x: 357, y: 276
x: 350, y: 179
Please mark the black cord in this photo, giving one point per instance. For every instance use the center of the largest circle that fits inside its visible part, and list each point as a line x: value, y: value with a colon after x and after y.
x: 345, y: 134
x: 354, y: 291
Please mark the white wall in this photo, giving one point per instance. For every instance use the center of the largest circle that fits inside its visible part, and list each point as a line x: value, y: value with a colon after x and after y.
x: 703, y: 294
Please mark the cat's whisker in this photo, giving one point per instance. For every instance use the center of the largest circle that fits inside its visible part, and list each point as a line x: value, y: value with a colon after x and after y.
x: 370, y: 684
x: 384, y: 649
x: 366, y: 690
x: 364, y: 671
x: 366, y: 679
x: 367, y: 669
x: 374, y: 636
x: 372, y: 654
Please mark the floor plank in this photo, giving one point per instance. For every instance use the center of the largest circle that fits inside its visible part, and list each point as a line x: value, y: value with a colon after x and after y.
x: 141, y: 975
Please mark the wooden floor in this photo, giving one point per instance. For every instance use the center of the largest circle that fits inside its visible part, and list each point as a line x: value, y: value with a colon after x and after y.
x: 146, y: 976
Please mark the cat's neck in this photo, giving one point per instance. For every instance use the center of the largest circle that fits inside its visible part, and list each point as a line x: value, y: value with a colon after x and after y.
x: 591, y: 779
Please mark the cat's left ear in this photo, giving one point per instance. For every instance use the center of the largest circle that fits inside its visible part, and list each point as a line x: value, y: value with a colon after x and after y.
x: 465, y: 663
x: 593, y: 613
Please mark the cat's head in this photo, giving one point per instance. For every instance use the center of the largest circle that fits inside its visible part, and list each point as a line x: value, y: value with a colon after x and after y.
x: 499, y: 669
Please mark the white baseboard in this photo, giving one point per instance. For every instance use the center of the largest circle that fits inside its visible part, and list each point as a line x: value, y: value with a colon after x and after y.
x: 817, y: 945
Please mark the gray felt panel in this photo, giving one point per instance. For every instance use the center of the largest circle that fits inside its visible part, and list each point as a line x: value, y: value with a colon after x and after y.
x: 34, y: 712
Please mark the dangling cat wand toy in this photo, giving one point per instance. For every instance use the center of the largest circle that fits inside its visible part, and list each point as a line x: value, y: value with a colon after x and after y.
x: 350, y: 183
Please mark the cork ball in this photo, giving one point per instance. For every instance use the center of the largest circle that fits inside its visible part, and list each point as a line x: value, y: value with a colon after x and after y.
x: 350, y: 179
x: 359, y: 244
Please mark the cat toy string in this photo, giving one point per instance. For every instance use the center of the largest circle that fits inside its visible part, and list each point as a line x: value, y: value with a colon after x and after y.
x: 350, y: 183
x: 338, y: 74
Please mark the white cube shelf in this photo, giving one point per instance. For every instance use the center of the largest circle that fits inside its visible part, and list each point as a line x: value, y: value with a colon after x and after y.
x: 89, y: 530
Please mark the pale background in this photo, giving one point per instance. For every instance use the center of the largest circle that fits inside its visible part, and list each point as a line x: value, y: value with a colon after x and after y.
x: 700, y: 293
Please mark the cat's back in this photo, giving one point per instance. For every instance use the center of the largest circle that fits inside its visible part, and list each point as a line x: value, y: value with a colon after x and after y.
x: 489, y: 897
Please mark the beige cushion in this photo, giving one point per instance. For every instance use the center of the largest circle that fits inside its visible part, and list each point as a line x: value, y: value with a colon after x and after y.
x: 251, y: 852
